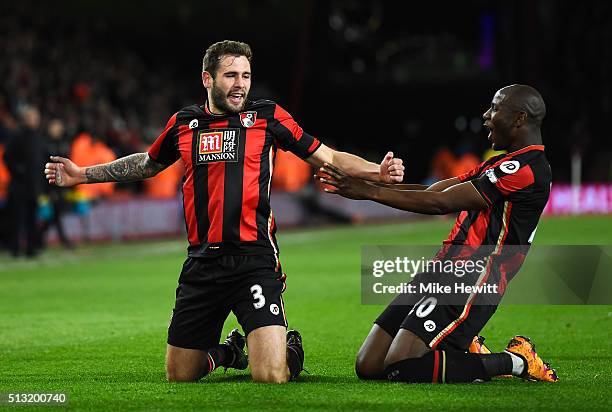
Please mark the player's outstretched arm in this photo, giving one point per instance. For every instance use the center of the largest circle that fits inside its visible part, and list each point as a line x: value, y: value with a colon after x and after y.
x: 462, y: 196
x: 435, y: 187
x: 390, y: 170
x: 64, y: 172
x: 443, y: 184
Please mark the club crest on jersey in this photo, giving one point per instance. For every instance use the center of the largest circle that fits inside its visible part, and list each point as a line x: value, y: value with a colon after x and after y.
x: 247, y: 119
x: 217, y: 146
x: 193, y: 124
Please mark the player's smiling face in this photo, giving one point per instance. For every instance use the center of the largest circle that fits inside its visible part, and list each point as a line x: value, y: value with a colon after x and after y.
x: 498, y: 120
x: 228, y: 91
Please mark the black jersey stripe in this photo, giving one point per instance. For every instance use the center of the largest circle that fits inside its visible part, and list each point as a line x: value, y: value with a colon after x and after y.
x: 263, y: 206
x: 232, y: 202
x: 265, y: 176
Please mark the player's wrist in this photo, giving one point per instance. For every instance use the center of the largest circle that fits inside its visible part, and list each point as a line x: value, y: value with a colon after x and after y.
x: 377, y: 176
x: 376, y: 195
x: 82, y: 175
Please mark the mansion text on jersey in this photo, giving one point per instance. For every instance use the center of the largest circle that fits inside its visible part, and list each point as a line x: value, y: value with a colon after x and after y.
x: 217, y: 157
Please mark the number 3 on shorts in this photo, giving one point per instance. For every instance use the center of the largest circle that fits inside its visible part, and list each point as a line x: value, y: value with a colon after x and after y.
x: 260, y: 299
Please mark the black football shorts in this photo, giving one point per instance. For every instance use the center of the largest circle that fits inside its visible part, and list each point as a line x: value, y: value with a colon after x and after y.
x: 209, y: 288
x: 442, y: 322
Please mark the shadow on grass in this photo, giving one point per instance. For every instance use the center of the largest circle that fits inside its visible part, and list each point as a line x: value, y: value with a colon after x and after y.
x: 304, y: 378
x: 226, y: 378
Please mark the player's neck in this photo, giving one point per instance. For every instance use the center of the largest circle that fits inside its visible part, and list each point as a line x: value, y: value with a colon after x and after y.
x: 531, y: 139
x: 212, y: 109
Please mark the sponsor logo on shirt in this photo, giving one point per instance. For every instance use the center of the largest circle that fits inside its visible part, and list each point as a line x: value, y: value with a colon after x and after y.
x: 509, y: 166
x: 217, y: 146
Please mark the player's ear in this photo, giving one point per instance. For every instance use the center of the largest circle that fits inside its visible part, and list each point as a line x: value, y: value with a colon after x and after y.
x: 207, y: 79
x: 520, y: 119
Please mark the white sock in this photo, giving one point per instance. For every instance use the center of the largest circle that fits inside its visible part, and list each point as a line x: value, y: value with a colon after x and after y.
x: 518, y: 364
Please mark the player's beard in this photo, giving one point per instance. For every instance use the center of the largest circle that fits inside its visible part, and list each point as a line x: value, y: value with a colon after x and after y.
x: 219, y: 99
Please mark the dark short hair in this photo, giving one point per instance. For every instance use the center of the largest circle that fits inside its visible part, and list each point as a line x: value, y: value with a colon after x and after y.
x: 213, y: 55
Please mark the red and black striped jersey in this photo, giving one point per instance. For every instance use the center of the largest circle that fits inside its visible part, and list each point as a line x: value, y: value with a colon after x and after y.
x: 516, y: 187
x: 229, y: 161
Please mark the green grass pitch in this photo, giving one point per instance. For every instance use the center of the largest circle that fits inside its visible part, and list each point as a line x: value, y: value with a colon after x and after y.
x: 92, y: 323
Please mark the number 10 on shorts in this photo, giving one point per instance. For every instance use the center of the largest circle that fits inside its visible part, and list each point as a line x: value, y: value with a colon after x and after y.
x: 260, y: 299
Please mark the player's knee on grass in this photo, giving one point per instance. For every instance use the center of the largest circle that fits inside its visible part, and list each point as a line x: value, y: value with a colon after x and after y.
x: 268, y: 354
x: 405, y: 345
x: 368, y: 368
x: 182, y: 373
x: 177, y: 375
x: 369, y: 363
x: 271, y: 375
x: 184, y: 365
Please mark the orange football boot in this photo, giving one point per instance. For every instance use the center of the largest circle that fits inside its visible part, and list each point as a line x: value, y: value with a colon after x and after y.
x: 535, y: 368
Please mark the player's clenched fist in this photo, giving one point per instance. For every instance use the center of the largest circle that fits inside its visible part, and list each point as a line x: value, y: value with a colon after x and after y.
x: 63, y: 172
x: 391, y: 169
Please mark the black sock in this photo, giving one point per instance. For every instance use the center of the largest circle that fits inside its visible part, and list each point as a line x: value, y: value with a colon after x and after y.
x: 222, y: 354
x: 217, y: 356
x: 438, y: 367
x: 295, y: 360
x: 496, y: 363
x: 374, y: 377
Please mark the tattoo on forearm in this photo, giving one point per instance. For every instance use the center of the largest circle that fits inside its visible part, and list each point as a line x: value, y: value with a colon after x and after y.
x: 137, y: 166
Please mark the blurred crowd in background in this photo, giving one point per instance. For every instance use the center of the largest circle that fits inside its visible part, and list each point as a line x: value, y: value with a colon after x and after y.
x: 94, y: 81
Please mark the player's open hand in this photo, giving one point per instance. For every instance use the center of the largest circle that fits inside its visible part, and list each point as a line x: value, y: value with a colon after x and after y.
x: 391, y: 169
x: 343, y: 184
x: 63, y: 172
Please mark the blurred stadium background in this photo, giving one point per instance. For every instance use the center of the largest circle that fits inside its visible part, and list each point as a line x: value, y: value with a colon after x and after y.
x: 365, y: 76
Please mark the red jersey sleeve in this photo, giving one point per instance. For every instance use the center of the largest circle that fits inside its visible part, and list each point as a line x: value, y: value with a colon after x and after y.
x: 164, y: 150
x: 509, y: 180
x: 289, y: 136
x: 470, y: 174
